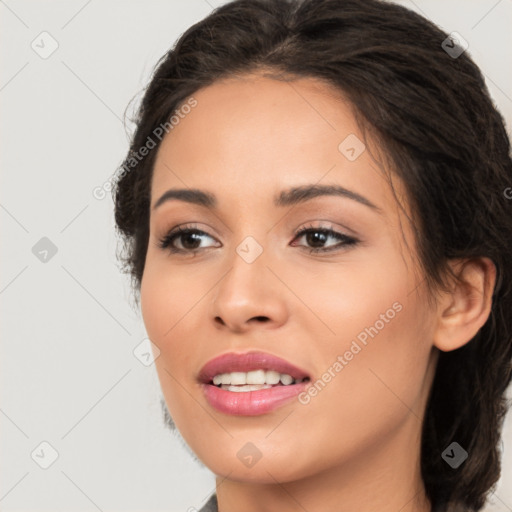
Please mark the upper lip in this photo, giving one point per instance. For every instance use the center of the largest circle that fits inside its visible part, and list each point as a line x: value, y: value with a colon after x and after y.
x: 247, y: 361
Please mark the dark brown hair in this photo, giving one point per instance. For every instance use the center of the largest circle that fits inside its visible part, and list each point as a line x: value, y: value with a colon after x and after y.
x: 432, y: 116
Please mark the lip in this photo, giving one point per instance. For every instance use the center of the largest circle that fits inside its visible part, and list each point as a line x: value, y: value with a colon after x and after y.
x: 253, y: 360
x: 250, y: 403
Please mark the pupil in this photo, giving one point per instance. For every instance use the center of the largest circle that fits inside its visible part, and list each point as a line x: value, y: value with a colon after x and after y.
x: 313, y: 237
x: 190, y: 236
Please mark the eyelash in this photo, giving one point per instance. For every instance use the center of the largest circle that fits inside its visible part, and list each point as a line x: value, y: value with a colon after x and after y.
x: 167, y: 241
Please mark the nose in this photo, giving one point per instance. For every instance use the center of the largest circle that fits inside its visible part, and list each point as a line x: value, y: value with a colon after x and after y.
x: 249, y: 296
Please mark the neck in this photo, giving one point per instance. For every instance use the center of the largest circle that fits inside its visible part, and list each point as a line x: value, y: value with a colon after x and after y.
x: 385, y: 476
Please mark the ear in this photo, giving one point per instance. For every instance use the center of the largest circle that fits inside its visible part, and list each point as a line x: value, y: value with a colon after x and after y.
x: 466, y: 307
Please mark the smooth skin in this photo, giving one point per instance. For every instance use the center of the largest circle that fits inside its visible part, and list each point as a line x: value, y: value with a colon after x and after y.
x: 356, y: 444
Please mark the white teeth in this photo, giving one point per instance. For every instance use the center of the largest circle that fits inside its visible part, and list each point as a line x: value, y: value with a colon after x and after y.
x: 254, y: 377
x: 272, y: 377
x: 286, y: 379
x: 247, y: 387
x: 238, y: 378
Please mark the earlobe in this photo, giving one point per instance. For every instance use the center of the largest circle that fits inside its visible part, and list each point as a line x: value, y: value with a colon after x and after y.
x: 465, y: 309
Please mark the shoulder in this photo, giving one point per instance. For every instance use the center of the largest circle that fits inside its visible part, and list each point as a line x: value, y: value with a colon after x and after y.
x: 210, y: 505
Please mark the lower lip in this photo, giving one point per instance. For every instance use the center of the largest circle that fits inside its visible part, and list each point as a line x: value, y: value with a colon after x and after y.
x: 251, y: 403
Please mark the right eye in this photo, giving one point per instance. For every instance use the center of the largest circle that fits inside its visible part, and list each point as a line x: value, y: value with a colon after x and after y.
x: 187, y: 237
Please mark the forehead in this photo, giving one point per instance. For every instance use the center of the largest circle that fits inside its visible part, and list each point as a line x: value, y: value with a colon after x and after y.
x: 250, y: 137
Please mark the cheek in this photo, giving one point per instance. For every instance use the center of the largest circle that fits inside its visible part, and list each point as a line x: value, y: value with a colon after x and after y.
x: 368, y: 291
x: 161, y: 313
x: 165, y: 304
x: 173, y: 302
x: 374, y: 360
x: 166, y: 295
x: 380, y: 376
x: 153, y: 299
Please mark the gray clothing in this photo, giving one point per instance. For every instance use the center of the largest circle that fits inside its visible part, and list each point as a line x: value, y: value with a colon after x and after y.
x: 210, y: 505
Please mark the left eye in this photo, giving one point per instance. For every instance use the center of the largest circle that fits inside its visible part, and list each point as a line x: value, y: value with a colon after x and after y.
x: 320, y: 235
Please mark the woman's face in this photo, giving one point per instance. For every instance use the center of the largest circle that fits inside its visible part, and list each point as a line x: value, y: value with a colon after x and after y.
x: 354, y: 317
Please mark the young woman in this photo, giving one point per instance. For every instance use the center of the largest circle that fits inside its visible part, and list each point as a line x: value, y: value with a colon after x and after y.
x: 316, y: 219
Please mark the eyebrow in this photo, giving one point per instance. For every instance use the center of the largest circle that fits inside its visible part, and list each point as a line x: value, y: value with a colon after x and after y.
x: 289, y: 197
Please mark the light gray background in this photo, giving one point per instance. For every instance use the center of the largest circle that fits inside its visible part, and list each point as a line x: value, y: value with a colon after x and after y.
x: 69, y: 376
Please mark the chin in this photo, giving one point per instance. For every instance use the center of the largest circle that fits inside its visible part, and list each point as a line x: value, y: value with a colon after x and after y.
x: 267, y: 469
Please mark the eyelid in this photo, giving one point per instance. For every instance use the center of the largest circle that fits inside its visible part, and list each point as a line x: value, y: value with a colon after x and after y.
x: 192, y: 226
